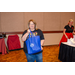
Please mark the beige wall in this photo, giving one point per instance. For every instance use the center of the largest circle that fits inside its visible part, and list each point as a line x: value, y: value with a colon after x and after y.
x: 0, y: 23
x: 46, y: 21
x: 12, y: 21
x: 52, y: 21
x: 65, y: 16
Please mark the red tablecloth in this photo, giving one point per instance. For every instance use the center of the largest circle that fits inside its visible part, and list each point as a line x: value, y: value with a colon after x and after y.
x: 13, y: 42
x: 2, y: 46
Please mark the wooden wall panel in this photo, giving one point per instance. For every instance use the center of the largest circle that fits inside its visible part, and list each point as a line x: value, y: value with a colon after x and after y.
x: 37, y: 16
x: 46, y: 21
x: 12, y: 21
x: 74, y: 20
x: 0, y: 23
x: 65, y: 16
x: 51, y: 21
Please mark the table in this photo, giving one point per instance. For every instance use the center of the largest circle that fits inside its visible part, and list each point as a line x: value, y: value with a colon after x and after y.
x: 2, y: 46
x: 67, y: 52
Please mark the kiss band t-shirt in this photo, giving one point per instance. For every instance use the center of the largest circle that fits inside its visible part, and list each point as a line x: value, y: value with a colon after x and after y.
x: 35, y: 33
x: 69, y: 29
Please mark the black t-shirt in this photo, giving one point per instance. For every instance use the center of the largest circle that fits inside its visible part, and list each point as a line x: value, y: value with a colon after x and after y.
x: 69, y: 29
x: 35, y: 32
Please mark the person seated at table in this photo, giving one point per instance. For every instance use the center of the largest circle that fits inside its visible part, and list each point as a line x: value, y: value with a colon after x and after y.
x: 67, y: 32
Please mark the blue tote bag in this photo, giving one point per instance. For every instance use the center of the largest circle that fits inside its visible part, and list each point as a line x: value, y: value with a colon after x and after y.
x: 33, y: 44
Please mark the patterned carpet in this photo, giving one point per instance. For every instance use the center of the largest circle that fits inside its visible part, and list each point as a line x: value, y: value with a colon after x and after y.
x: 50, y: 54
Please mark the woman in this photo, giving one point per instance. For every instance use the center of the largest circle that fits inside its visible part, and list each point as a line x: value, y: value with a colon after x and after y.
x: 36, y: 32
x: 67, y: 32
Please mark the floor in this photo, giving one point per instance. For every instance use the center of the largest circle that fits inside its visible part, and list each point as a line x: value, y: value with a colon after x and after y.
x: 50, y: 54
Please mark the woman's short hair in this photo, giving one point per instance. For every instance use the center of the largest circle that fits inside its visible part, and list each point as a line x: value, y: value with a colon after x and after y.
x: 71, y: 20
x: 32, y: 21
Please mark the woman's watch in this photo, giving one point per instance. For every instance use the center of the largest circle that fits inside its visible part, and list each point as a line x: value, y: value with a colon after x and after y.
x: 41, y: 46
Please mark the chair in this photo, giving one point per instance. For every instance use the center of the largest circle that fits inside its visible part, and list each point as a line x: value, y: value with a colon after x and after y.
x: 13, y: 42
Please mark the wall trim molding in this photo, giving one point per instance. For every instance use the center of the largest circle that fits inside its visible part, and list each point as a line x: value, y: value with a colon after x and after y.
x: 22, y: 32
x: 52, y: 31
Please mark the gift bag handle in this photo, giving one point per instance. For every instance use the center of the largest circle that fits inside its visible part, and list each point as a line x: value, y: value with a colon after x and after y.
x: 30, y: 32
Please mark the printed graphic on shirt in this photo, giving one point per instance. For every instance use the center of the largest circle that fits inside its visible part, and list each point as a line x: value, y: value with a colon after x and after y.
x: 33, y: 34
x: 72, y: 28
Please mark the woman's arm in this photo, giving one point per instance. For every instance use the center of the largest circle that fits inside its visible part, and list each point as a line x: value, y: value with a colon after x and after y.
x: 42, y: 43
x: 65, y: 33
x: 73, y: 32
x: 25, y: 35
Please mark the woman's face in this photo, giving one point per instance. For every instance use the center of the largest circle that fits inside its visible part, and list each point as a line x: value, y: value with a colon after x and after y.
x: 32, y: 25
x: 71, y: 22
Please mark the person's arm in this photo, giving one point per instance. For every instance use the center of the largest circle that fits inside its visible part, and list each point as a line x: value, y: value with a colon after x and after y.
x: 42, y: 39
x: 73, y: 33
x: 42, y: 43
x: 24, y: 37
x: 65, y: 33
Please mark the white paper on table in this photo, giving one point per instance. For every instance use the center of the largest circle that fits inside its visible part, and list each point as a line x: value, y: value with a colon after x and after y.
x: 71, y: 41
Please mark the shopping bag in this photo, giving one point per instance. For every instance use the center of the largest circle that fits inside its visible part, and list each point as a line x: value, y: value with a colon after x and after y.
x: 33, y: 44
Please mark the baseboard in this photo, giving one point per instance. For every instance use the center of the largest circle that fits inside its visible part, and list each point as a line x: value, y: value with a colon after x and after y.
x: 16, y: 49
x: 52, y: 45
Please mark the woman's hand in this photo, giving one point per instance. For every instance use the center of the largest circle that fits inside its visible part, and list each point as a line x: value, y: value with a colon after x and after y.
x: 25, y: 35
x: 28, y: 31
x: 73, y: 33
x: 41, y: 48
x: 66, y: 36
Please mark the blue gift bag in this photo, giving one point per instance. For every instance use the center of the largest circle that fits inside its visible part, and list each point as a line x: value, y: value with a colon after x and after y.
x: 33, y: 44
